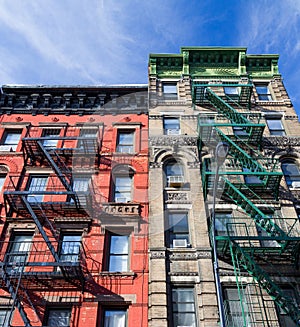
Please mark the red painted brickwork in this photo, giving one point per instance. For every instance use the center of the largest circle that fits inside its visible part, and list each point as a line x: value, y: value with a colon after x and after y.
x: 88, y: 289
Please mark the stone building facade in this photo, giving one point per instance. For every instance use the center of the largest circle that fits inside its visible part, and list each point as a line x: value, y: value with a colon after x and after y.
x: 198, y: 99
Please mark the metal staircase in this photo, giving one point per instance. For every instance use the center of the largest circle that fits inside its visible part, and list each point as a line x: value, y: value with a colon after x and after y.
x: 251, y: 182
x: 41, y: 206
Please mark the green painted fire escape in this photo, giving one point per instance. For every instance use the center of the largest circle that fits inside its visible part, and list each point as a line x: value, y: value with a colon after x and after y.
x: 251, y: 182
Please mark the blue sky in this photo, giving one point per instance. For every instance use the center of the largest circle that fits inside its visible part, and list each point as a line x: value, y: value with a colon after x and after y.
x: 108, y: 41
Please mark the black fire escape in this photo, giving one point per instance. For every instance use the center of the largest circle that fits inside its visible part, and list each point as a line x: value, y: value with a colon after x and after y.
x: 40, y: 265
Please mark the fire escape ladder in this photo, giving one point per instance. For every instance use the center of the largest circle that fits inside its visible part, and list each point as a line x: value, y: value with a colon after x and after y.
x: 40, y: 228
x: 55, y: 167
x: 243, y: 258
x: 262, y: 220
x: 13, y: 289
x: 254, y: 131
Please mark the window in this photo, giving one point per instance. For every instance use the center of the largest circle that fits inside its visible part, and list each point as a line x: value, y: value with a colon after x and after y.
x: 4, y: 317
x: 3, y: 173
x: 118, y: 253
x: 59, y: 317
x: 275, y: 126
x: 11, y: 139
x: 87, y: 139
x: 233, y: 309
x: 291, y: 173
x: 183, y: 307
x: 231, y: 91
x: 51, y: 135
x: 170, y: 91
x: 125, y: 141
x: 266, y: 242
x: 174, y: 174
x: 122, y: 191
x: 178, y: 229
x: 81, y: 188
x: 284, y: 318
x: 263, y: 92
x: 171, y: 126
x: 114, y: 318
x: 70, y: 247
x: 251, y: 179
x: 38, y: 184
x: 223, y: 220
x: 18, y: 251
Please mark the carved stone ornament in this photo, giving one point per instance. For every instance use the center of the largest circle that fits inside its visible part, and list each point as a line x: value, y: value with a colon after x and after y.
x: 157, y: 254
x: 281, y: 141
x: 167, y: 140
x: 177, y: 196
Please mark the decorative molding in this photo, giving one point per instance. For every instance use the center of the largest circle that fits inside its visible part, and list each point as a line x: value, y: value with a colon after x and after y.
x: 183, y: 273
x: 168, y: 140
x: 132, y: 209
x: 283, y: 141
x: 157, y: 254
x: 176, y: 197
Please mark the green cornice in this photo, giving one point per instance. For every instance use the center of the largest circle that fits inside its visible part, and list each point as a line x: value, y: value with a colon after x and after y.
x: 213, y: 62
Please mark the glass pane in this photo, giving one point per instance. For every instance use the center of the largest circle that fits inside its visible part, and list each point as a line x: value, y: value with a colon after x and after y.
x: 222, y: 221
x: 59, y: 318
x: 183, y: 295
x: 119, y: 244
x: 184, y: 319
x: 81, y: 184
x: 70, y: 248
x: 36, y: 184
x: 174, y: 169
x: 118, y: 263
x: 126, y: 138
x: 231, y: 90
x: 12, y: 138
x: 178, y: 222
x: 114, y: 318
x: 2, y: 180
x: 171, y: 123
x: 274, y: 124
x: 170, y: 88
x: 4, y: 317
x: 262, y: 89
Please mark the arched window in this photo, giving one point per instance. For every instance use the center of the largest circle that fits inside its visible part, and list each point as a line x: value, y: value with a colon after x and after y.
x: 174, y: 174
x: 122, y: 184
x: 291, y: 173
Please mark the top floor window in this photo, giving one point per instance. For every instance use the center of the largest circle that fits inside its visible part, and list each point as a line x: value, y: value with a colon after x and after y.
x: 51, y: 137
x: 170, y: 91
x: 171, y: 126
x: 10, y: 140
x: 87, y: 139
x: 125, y: 141
x: 263, y: 92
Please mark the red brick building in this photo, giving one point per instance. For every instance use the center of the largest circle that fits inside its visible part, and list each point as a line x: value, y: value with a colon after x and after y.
x: 74, y: 208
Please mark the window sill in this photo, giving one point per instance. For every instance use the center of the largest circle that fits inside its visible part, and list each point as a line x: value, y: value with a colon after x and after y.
x: 128, y: 274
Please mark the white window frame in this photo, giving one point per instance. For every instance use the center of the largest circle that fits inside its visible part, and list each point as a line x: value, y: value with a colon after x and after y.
x: 177, y: 229
x: 170, y: 90
x: 6, y: 144
x: 125, y: 147
x: 171, y: 131
x: 110, y: 320
x: 263, y: 96
x: 279, y: 130
x: 116, y: 254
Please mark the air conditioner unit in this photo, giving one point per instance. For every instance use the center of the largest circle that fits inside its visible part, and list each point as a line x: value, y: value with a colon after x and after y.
x: 173, y: 131
x: 295, y: 184
x: 120, y: 200
x: 7, y: 148
x: 175, y: 181
x: 180, y: 243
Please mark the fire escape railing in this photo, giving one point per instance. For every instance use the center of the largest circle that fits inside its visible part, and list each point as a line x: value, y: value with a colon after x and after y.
x: 251, y: 182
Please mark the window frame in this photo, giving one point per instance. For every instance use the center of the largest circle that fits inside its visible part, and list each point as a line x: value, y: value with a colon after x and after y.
x: 129, y: 146
x: 115, y: 309
x: 127, y: 194
x: 52, y: 139
x: 178, y: 304
x: 7, y: 318
x: 275, y: 131
x: 290, y: 179
x: 263, y: 96
x: 170, y: 90
x: 114, y: 255
x: 57, y: 309
x: 11, y: 146
x: 38, y: 197
x: 171, y: 131
x: 174, y: 180
x: 228, y: 218
x: 172, y: 233
x: 75, y: 245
